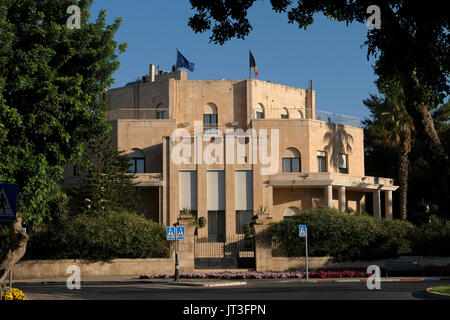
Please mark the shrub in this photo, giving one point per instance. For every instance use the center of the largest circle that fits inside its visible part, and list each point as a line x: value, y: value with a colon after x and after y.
x: 433, y: 239
x: 344, y: 236
x: 201, y: 222
x: 100, y: 238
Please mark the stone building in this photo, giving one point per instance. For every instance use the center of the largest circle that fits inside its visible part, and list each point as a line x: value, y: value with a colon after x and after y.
x: 308, y: 159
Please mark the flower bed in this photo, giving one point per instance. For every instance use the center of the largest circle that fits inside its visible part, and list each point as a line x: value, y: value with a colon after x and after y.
x: 12, y: 294
x: 335, y: 273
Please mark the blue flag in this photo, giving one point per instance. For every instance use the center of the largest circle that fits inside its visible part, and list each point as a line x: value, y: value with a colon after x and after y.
x: 182, y: 62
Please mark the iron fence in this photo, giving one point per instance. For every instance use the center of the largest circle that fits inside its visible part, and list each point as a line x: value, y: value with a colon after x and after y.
x: 231, y: 246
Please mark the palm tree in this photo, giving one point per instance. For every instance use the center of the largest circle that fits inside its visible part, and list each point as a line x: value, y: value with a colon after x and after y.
x: 396, y: 128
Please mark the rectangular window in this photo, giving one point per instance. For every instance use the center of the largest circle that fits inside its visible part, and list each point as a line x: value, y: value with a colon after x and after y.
x: 291, y: 165
x: 188, y: 190
x: 259, y: 115
x: 210, y: 123
x: 215, y: 182
x: 321, y: 161
x: 161, y: 114
x: 244, y: 190
x: 295, y: 164
x: 287, y: 165
x: 243, y: 217
x: 216, y: 226
x: 343, y: 163
x: 132, y: 166
x: 136, y: 166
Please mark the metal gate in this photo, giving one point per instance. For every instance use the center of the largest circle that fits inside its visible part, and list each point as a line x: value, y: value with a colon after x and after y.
x: 234, y: 251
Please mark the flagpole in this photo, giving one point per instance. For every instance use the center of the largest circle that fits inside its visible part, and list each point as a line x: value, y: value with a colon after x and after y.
x: 249, y: 67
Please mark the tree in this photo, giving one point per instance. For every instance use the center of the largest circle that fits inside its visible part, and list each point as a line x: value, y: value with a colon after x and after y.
x: 413, y: 43
x: 106, y: 185
x: 50, y: 80
x: 395, y: 128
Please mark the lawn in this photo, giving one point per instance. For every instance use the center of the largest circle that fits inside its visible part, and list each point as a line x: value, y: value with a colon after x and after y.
x: 441, y: 289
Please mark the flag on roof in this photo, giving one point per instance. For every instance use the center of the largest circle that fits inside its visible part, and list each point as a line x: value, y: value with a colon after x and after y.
x: 182, y: 62
x: 253, y: 64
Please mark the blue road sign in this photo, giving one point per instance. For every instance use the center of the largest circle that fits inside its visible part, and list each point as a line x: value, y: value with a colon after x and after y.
x: 302, y: 230
x: 170, y: 232
x: 24, y: 230
x: 8, y: 202
x: 180, y: 233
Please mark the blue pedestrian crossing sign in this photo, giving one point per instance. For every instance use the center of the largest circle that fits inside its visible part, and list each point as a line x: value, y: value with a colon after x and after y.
x: 170, y: 232
x: 180, y: 233
x: 8, y: 202
x: 302, y: 230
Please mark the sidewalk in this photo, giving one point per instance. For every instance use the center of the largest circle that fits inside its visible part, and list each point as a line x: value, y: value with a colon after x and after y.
x: 137, y: 280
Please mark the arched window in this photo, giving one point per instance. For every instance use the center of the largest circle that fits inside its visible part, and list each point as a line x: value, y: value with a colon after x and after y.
x: 298, y: 114
x: 292, y: 160
x: 259, y: 112
x: 210, y: 118
x: 284, y: 113
x: 137, y: 161
x: 290, y: 212
x: 161, y: 111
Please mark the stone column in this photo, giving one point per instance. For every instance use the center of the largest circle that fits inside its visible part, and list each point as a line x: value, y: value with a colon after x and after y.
x: 377, y: 204
x: 329, y: 196
x: 186, y: 253
x: 342, y: 199
x: 165, y: 176
x: 388, y: 204
x: 263, y: 243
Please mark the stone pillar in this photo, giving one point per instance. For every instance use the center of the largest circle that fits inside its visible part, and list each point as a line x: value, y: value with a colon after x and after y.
x: 186, y: 253
x: 329, y: 196
x: 376, y: 204
x: 342, y: 199
x: 263, y: 243
x: 388, y: 204
x: 166, y: 184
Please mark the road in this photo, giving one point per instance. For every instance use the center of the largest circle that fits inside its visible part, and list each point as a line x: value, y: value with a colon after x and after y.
x: 254, y: 290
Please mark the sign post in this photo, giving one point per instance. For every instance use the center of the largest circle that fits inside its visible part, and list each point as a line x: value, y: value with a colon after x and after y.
x: 175, y: 233
x: 303, y: 233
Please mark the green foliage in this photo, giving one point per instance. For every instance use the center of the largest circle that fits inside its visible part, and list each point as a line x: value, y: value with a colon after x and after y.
x: 433, y: 239
x: 247, y: 231
x: 50, y: 81
x: 105, y: 184
x: 100, y: 238
x: 201, y: 222
x: 343, y: 236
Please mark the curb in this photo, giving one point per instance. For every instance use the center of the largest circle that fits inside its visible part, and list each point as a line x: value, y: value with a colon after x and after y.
x: 209, y: 285
x: 149, y: 281
x: 382, y: 280
x: 437, y: 295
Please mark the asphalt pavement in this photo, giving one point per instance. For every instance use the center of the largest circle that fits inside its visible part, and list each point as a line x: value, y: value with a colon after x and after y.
x: 280, y: 289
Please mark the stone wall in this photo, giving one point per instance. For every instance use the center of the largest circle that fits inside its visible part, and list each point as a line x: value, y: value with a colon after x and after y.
x: 42, y: 269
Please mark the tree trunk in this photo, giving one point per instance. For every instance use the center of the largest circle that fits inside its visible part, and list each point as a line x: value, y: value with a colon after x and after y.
x: 423, y: 121
x: 403, y: 172
x: 19, y: 241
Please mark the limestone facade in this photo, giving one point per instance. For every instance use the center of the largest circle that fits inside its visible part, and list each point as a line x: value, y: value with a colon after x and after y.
x: 319, y: 156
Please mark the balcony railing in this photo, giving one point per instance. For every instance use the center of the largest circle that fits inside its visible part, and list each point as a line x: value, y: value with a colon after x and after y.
x: 138, y: 113
x: 304, y: 113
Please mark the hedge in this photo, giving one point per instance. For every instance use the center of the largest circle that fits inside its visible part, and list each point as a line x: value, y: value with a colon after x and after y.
x: 359, y: 237
x: 100, y: 238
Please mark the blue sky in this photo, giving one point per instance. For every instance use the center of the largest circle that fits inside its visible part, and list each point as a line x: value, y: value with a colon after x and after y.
x: 328, y: 52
